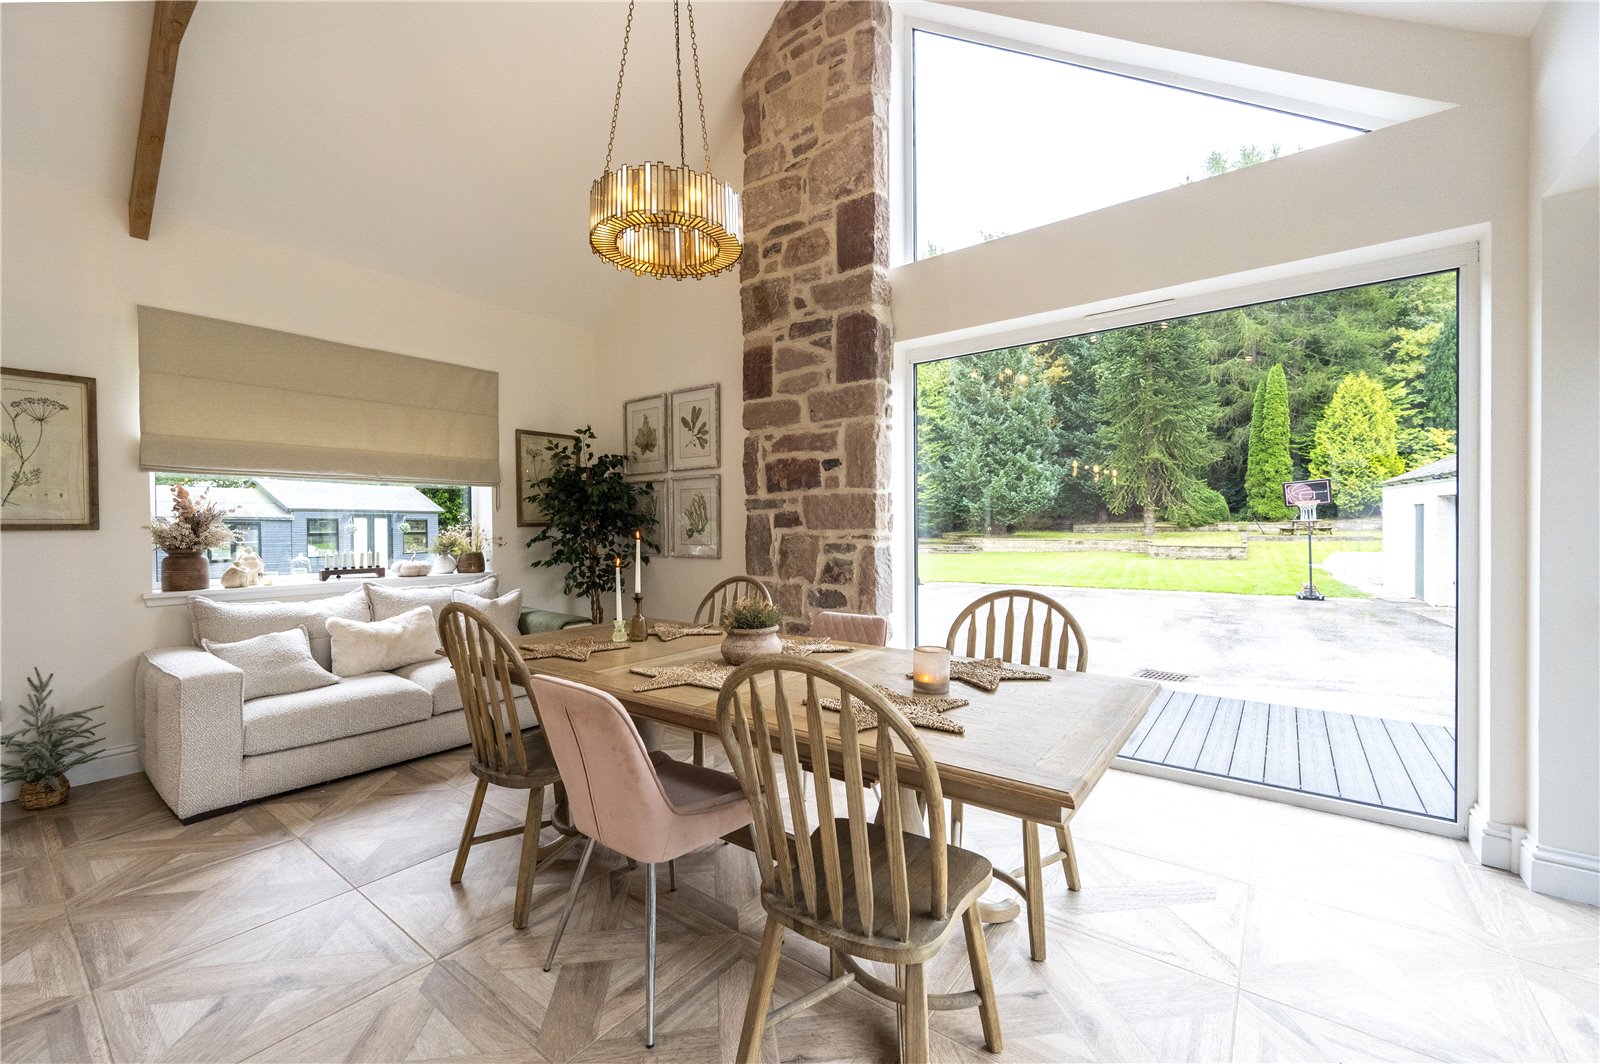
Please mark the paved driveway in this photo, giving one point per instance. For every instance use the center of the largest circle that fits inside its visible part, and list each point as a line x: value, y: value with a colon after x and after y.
x: 1369, y: 656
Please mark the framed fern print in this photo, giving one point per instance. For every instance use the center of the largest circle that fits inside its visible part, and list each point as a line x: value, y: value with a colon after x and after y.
x: 646, y: 435
x: 696, y: 512
x: 695, y: 415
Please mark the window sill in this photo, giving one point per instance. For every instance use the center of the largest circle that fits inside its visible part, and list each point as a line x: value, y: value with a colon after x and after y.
x: 311, y: 589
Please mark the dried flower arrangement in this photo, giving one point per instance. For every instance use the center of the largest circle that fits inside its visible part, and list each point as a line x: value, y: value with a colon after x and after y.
x: 750, y: 613
x: 196, y: 523
x: 462, y: 539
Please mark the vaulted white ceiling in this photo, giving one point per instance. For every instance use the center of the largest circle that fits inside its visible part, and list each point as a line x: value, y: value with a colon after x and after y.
x: 449, y: 143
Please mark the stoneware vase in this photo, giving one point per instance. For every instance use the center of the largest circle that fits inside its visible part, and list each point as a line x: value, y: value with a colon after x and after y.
x: 470, y: 562
x: 185, y: 570
x: 444, y: 563
x: 742, y: 644
x: 42, y: 795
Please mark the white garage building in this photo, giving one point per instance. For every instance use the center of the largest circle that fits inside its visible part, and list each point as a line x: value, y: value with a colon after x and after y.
x: 1419, y: 534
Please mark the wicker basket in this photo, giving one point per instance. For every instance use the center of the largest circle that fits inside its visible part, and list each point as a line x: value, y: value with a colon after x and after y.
x: 41, y: 795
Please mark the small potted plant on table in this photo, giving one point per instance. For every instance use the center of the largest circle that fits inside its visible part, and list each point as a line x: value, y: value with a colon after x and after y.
x: 752, y: 627
x: 46, y: 746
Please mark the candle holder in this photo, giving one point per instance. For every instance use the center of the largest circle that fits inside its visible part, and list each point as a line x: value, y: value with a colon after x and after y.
x: 636, y: 625
x: 619, y: 631
x: 930, y: 671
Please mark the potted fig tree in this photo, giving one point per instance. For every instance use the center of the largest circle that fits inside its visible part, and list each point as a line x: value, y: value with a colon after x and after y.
x: 46, y: 746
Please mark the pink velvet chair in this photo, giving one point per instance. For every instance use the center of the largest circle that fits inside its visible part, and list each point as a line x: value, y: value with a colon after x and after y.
x: 852, y: 627
x: 640, y: 803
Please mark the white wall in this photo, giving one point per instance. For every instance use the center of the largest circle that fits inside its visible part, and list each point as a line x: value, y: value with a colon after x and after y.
x: 662, y: 336
x: 1438, y: 501
x: 1562, y: 851
x: 1457, y: 174
x: 71, y: 280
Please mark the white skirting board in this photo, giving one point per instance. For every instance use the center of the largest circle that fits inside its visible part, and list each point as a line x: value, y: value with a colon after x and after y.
x: 1496, y: 844
x: 1561, y: 873
x: 122, y: 761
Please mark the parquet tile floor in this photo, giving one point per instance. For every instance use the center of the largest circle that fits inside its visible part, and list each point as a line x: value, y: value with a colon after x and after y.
x: 321, y: 926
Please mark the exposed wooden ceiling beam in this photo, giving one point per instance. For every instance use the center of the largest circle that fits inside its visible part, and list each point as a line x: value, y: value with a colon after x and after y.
x: 166, y: 33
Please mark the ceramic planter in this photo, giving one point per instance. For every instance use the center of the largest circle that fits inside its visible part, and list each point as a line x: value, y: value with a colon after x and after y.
x: 742, y: 644
x: 443, y: 563
x: 470, y: 562
x: 185, y: 570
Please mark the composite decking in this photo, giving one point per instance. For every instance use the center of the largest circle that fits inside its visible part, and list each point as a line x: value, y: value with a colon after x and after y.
x: 1394, y: 764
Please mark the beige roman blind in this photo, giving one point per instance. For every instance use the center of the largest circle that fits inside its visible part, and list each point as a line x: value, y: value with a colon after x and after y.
x: 219, y: 397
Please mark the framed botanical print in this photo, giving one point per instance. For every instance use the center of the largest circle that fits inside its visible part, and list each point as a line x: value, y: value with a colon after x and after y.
x: 652, y: 502
x: 533, y: 465
x: 696, y: 418
x: 696, y: 509
x: 645, y: 430
x: 49, y: 461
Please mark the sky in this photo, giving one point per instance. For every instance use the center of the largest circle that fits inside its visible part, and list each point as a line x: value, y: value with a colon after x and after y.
x: 1007, y: 141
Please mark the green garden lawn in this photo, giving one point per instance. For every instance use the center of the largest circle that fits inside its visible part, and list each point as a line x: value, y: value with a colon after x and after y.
x: 1273, y: 568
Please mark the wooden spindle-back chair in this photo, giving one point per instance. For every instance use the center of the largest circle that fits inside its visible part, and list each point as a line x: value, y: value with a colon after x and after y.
x: 491, y: 676
x: 1023, y: 627
x: 867, y: 889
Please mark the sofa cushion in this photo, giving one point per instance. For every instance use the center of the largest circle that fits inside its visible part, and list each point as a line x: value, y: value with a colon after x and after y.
x: 355, y: 706
x: 231, y: 622
x: 277, y: 663
x: 361, y: 647
x: 439, y: 680
x: 389, y: 602
x: 503, y: 612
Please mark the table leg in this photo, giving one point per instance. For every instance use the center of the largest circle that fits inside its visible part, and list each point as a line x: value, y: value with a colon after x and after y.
x: 1034, y: 882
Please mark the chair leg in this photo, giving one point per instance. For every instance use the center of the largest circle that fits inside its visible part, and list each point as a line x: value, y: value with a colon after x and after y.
x: 982, y: 979
x: 672, y: 876
x: 914, y: 1026
x: 1033, y: 880
x: 1069, y: 858
x: 469, y: 831
x: 755, y: 1009
x: 530, y: 855
x: 958, y: 810
x: 649, y: 956
x: 699, y: 748
x: 572, y: 899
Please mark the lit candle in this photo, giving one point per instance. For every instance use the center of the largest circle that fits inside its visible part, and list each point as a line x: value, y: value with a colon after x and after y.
x: 638, y: 537
x: 617, y: 584
x: 930, y: 671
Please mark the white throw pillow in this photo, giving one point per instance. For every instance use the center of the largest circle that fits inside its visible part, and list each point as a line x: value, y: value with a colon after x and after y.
x: 361, y: 647
x: 390, y: 602
x: 277, y: 663
x: 230, y: 622
x: 504, y: 612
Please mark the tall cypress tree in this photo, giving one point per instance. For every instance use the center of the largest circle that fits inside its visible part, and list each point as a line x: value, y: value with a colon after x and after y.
x: 1269, y: 464
x: 1356, y: 445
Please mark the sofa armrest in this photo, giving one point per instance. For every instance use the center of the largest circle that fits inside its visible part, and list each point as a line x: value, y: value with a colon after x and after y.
x: 189, y: 717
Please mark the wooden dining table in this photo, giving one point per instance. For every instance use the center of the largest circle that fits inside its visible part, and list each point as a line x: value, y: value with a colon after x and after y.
x: 1031, y: 749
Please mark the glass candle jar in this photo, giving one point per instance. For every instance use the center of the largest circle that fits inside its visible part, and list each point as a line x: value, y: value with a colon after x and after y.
x: 930, y: 671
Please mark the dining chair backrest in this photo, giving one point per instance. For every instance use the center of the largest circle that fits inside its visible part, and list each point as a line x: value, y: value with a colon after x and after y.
x: 866, y: 628
x: 489, y: 674
x: 1043, y: 634
x: 777, y: 697
x: 614, y: 793
x: 725, y: 594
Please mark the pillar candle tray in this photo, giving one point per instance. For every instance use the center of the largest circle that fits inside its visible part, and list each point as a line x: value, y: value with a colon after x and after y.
x: 370, y: 570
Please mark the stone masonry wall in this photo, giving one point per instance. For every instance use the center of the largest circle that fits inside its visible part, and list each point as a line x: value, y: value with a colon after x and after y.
x: 814, y: 292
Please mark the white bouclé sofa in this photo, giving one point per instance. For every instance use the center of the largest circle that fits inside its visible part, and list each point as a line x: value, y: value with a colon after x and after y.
x: 206, y: 748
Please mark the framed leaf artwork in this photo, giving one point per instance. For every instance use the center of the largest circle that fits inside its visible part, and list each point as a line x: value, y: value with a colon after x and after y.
x: 646, y: 433
x: 696, y: 417
x: 533, y: 465
x: 49, y: 460
x: 652, y: 501
x: 696, y: 510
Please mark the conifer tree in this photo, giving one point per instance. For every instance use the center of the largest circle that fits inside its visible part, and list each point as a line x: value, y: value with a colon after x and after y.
x: 1355, y: 445
x: 1269, y: 464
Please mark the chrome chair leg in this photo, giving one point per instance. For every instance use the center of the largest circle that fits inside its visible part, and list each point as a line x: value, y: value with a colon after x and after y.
x: 572, y: 899
x: 650, y: 956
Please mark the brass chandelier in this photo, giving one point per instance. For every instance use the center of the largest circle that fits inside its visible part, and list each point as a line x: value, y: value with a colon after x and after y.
x: 662, y: 220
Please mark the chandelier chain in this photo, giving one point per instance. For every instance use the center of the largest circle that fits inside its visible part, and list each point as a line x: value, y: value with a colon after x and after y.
x: 616, y: 104
x: 699, y: 93
x: 677, y: 60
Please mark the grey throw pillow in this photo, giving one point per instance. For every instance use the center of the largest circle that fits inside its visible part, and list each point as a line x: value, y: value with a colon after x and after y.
x: 389, y: 602
x: 503, y: 612
x: 277, y: 663
x: 230, y: 622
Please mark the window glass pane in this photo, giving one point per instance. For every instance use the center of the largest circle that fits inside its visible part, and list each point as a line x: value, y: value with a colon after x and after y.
x: 322, y: 535
x: 1006, y: 141
x: 415, y: 537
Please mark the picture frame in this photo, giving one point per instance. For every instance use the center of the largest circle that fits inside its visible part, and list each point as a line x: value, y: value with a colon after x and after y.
x: 646, y: 435
x: 50, y: 458
x: 659, y: 507
x: 533, y: 465
x: 696, y: 512
x: 695, y: 415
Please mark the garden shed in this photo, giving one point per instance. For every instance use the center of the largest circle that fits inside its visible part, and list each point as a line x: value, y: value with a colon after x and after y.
x: 1419, y: 534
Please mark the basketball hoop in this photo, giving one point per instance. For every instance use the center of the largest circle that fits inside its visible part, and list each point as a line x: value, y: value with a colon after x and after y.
x: 1306, y: 494
x: 1308, y: 512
